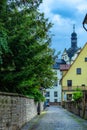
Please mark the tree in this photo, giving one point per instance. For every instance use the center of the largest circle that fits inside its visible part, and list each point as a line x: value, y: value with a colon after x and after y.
x: 77, y: 96
x: 28, y: 63
x: 3, y: 32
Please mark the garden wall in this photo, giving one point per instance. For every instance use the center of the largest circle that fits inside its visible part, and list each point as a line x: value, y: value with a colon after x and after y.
x: 77, y: 108
x: 15, y: 111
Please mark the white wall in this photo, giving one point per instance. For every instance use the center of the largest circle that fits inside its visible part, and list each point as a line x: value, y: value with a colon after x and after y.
x: 55, y: 89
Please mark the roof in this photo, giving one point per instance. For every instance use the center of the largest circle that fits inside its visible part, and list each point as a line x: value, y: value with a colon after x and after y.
x: 73, y: 34
x: 74, y: 48
x: 57, y: 63
x: 75, y: 60
x: 72, y: 51
x: 64, y: 67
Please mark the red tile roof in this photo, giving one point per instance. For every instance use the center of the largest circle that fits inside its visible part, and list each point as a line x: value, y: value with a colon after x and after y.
x: 64, y: 67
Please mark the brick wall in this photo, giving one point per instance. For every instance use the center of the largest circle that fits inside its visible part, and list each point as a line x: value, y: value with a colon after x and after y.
x: 15, y: 111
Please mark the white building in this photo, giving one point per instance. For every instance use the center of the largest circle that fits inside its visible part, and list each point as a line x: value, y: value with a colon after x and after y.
x: 53, y: 95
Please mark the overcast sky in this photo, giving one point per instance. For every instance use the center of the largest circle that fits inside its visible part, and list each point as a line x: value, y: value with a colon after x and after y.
x: 63, y: 14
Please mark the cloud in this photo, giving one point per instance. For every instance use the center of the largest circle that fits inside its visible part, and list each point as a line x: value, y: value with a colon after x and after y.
x: 82, y: 8
x: 61, y: 21
x: 71, y: 5
x: 63, y: 14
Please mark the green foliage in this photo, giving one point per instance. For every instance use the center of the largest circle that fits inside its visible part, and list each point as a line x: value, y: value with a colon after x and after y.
x: 37, y: 94
x: 77, y: 96
x: 3, y: 42
x: 25, y: 51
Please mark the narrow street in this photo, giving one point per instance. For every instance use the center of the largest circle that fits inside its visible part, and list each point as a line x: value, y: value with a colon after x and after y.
x: 57, y: 118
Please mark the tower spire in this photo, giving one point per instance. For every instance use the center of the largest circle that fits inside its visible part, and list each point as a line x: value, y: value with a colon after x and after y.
x: 74, y: 38
x: 73, y: 27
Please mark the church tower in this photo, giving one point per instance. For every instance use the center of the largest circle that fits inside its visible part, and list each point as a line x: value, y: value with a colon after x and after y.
x: 70, y: 54
x: 74, y: 38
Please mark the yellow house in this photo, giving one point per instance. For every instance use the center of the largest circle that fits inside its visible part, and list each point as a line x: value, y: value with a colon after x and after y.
x: 76, y: 76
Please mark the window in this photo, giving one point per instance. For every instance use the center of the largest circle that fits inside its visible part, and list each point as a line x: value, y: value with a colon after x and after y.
x: 69, y: 83
x: 47, y: 100
x: 55, y: 100
x: 69, y: 96
x: 47, y: 94
x: 56, y: 72
x: 85, y: 59
x: 55, y: 94
x: 78, y: 71
x: 83, y: 84
x: 65, y: 57
x: 55, y: 83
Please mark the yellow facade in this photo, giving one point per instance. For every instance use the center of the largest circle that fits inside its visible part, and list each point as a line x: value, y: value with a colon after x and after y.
x: 64, y: 72
x: 78, y: 80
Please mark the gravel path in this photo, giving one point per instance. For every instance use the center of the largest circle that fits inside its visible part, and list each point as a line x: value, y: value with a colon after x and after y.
x: 57, y: 118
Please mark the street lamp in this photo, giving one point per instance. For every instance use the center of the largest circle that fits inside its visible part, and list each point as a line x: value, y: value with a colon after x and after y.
x: 85, y: 22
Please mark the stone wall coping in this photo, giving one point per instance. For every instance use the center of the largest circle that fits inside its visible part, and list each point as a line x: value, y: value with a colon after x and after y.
x: 14, y: 95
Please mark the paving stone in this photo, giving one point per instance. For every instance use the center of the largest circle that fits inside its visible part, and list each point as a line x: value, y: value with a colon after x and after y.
x: 57, y: 118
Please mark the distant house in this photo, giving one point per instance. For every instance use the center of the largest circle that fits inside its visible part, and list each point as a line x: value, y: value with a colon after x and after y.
x: 53, y: 95
x: 64, y: 68
x: 70, y: 54
x: 76, y: 76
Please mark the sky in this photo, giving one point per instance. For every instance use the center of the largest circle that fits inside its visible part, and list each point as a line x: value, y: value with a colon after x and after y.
x: 63, y: 14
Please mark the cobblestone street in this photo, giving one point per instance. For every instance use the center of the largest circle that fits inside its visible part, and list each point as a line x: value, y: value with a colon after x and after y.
x: 57, y: 118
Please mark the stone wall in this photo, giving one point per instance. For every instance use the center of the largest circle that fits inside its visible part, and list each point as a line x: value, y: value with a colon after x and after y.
x: 15, y: 111
x: 76, y: 108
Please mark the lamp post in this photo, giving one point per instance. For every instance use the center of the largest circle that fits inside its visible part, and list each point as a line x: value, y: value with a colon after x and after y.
x: 85, y: 22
